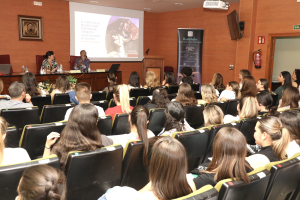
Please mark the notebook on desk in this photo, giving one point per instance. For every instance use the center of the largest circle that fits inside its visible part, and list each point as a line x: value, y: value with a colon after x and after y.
x: 5, y: 68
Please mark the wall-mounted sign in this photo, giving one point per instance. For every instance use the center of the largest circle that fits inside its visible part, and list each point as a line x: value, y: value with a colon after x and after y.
x: 296, y: 27
x: 261, y: 39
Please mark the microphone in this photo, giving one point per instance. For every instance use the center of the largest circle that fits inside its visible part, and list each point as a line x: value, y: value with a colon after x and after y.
x: 147, y: 51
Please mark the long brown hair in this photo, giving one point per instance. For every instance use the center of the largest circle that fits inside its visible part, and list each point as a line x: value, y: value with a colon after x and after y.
x: 63, y: 84
x: 229, y: 153
x: 217, y: 81
x: 168, y: 168
x: 30, y: 84
x: 139, y: 118
x: 174, y: 116
x: 245, y: 72
x: 42, y: 182
x: 290, y: 120
x: 160, y: 97
x: 236, y: 88
x: 186, y: 95
x: 280, y: 136
x: 290, y: 97
x: 3, y: 127
x: 265, y: 83
x: 112, y: 79
x: 80, y: 134
x: 249, y: 86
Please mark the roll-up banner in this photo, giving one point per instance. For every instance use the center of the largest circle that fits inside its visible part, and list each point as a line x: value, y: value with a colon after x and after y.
x: 190, y: 44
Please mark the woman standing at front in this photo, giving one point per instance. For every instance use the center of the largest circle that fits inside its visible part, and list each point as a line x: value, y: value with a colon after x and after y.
x: 82, y: 63
x: 49, y: 64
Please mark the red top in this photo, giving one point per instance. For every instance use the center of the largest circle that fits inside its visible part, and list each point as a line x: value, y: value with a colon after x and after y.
x: 117, y: 109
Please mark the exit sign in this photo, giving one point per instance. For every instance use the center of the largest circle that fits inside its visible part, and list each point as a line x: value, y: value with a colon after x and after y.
x: 296, y: 27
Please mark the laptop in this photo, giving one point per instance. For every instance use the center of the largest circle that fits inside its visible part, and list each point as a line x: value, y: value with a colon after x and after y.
x: 5, y: 68
x: 114, y: 67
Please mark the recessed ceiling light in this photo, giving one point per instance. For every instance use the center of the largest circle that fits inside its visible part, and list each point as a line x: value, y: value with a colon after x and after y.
x: 180, y: 4
x: 147, y: 8
x: 94, y: 2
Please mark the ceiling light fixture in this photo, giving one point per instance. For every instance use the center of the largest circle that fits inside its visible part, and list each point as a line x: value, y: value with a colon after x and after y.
x: 147, y: 8
x: 153, y: 1
x: 94, y: 2
x: 179, y: 4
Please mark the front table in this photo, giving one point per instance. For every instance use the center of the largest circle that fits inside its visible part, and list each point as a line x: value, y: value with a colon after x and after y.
x: 97, y: 80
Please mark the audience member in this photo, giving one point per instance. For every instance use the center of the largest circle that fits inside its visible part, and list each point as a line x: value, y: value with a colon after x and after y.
x: 112, y: 79
x: 217, y: 82
x: 213, y: 115
x: 80, y: 134
x: 208, y: 93
x: 175, y: 119
x: 151, y: 80
x: 285, y: 79
x: 159, y: 99
x: 246, y: 109
x: 290, y: 99
x: 264, y: 102
x: 291, y: 121
x: 296, y: 78
x: 82, y: 63
x: 10, y: 156
x: 42, y: 182
x: 121, y: 97
x: 134, y: 81
x: 62, y: 86
x: 187, y: 80
x: 169, y: 79
x: 30, y: 85
x: 263, y: 85
x: 17, y: 93
x: 186, y: 95
x: 242, y: 74
x: 186, y: 72
x: 248, y: 87
x: 1, y: 89
x: 83, y: 95
x: 49, y: 64
x: 231, y: 92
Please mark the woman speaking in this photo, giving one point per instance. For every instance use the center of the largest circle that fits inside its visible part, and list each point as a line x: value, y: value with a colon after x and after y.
x: 49, y: 64
x: 82, y: 63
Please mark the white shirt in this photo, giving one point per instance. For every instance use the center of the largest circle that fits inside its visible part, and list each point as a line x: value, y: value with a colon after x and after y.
x: 14, y: 156
x: 293, y: 148
x: 227, y: 94
x: 230, y: 118
x: 100, y: 112
x: 217, y: 92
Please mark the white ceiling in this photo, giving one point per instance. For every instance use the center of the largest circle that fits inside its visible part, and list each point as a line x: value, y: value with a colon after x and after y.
x: 156, y: 7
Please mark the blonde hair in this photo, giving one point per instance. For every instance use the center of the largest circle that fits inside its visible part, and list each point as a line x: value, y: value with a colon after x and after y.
x: 152, y: 79
x: 247, y: 107
x: 280, y: 136
x: 213, y: 115
x: 209, y: 93
x: 3, y: 127
x: 122, y: 96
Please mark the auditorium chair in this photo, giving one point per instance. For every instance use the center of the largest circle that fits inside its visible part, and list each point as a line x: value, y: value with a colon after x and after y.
x: 105, y: 125
x: 103, y: 104
x: 132, y: 102
x: 221, y: 104
x: 11, y: 139
x: 285, y: 176
x: 136, y: 92
x: 236, y: 190
x: 34, y: 137
x: 168, y: 69
x: 206, y: 192
x: 134, y: 173
x: 172, y: 96
x: 109, y: 95
x: 41, y: 101
x: 120, y: 124
x: 153, y: 88
x: 61, y: 99
x: 90, y: 174
x: 157, y: 119
x: 98, y: 96
x: 194, y: 115
x: 275, y: 97
x: 54, y: 113
x: 38, y: 61
x: 19, y: 117
x: 231, y: 108
x: 247, y: 127
x: 195, y: 143
x: 5, y: 59
x: 173, y: 89
x: 10, y: 175
x: 196, y: 86
x: 142, y: 100
x: 197, y: 95
x: 72, y: 62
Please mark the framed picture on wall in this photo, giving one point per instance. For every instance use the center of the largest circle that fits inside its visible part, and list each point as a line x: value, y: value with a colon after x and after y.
x: 30, y: 28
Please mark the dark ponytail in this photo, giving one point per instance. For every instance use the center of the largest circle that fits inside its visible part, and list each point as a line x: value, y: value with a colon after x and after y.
x: 49, y: 53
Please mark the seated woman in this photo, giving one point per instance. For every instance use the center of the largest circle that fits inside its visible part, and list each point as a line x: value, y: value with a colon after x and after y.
x: 213, y: 115
x: 42, y: 182
x: 82, y: 63
x: 62, y: 86
x: 290, y: 99
x: 80, y: 134
x: 30, y: 85
x: 243, y: 73
x: 264, y: 102
x: 159, y: 99
x: 285, y: 79
x: 208, y: 93
x: 134, y: 81
x: 1, y: 89
x: 10, y: 156
x: 175, y: 119
x: 121, y: 97
x: 228, y: 160
x: 296, y: 78
x: 151, y: 80
x: 248, y: 87
x: 231, y: 92
x: 217, y: 82
x: 246, y: 109
x: 169, y: 79
x: 186, y: 95
x: 112, y: 79
x: 273, y: 139
x: 263, y: 85
x: 49, y: 65
x: 291, y: 121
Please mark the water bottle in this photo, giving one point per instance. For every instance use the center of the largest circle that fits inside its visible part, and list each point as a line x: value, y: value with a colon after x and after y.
x: 61, y: 68
x: 26, y: 69
x: 41, y: 71
x: 89, y: 69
